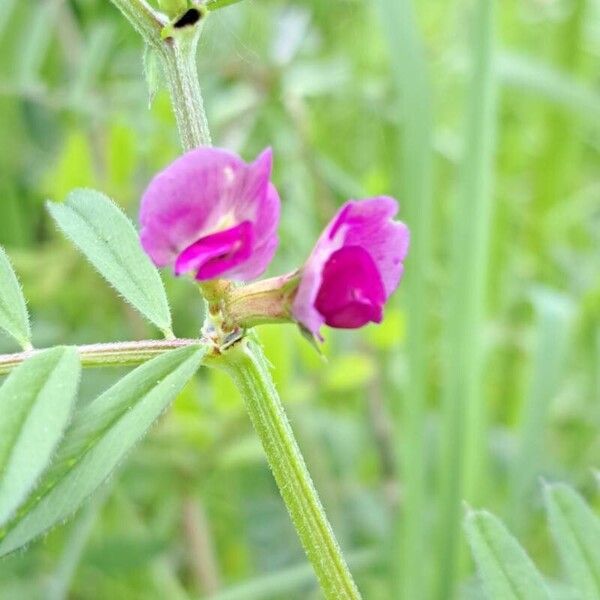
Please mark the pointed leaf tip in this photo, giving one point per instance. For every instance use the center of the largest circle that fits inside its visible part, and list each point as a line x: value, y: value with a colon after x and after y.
x: 110, y: 242
x: 506, y: 571
x: 576, y: 531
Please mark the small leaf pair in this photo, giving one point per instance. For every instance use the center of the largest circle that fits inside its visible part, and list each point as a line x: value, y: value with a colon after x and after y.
x: 36, y: 403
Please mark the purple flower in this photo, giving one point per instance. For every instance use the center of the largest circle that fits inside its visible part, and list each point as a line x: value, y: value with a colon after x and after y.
x: 354, y: 267
x: 211, y: 214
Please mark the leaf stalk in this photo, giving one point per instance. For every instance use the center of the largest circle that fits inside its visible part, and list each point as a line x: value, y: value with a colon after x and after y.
x: 114, y: 354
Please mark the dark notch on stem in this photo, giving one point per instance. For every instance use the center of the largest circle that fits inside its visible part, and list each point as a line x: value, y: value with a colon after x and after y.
x: 190, y: 17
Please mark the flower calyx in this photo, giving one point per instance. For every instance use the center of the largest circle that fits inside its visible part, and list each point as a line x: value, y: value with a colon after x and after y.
x: 232, y: 310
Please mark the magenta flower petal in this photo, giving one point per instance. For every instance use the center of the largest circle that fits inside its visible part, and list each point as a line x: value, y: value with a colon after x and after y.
x: 212, y: 214
x: 355, y: 266
x: 351, y: 293
x: 368, y: 223
x: 218, y: 253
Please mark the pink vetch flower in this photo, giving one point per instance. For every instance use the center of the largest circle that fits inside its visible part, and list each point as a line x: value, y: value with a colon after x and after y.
x: 212, y: 215
x: 355, y: 266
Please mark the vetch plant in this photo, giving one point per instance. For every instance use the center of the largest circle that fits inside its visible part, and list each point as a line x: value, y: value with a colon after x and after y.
x: 212, y: 217
x: 500, y: 316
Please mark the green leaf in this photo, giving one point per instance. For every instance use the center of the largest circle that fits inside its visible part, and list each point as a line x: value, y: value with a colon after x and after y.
x: 35, y: 406
x: 110, y: 242
x: 13, y: 311
x: 100, y: 435
x: 576, y: 531
x: 505, y: 568
x: 152, y: 72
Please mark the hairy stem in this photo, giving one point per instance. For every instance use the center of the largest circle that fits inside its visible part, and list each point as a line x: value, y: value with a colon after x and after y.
x: 246, y: 364
x: 114, y: 354
x: 179, y: 67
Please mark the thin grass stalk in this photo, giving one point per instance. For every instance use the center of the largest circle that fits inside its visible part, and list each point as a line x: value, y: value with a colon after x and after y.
x: 8, y: 7
x: 559, y: 155
x: 463, y: 431
x: 414, y: 179
x: 36, y: 42
x: 553, y: 316
x: 74, y: 549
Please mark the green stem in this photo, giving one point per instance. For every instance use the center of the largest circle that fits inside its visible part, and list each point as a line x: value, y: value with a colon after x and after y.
x: 246, y: 364
x: 179, y: 67
x: 115, y: 354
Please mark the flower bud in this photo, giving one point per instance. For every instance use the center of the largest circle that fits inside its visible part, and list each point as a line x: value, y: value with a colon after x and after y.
x: 353, y: 269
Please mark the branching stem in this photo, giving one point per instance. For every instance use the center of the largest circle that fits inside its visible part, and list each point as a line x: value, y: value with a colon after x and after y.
x: 144, y: 19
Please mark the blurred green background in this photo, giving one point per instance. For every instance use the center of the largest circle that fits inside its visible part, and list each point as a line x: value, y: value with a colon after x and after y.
x: 485, y: 375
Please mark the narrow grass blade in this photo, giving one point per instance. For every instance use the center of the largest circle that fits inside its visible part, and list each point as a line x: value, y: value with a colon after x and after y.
x: 576, y: 532
x: 8, y: 7
x: 553, y: 315
x: 100, y: 436
x: 110, y: 242
x: 35, y: 407
x: 13, y: 310
x: 95, y: 53
x: 35, y: 40
x: 76, y: 542
x: 505, y: 569
x: 415, y: 181
x: 463, y: 450
x: 558, y: 157
x: 551, y: 84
